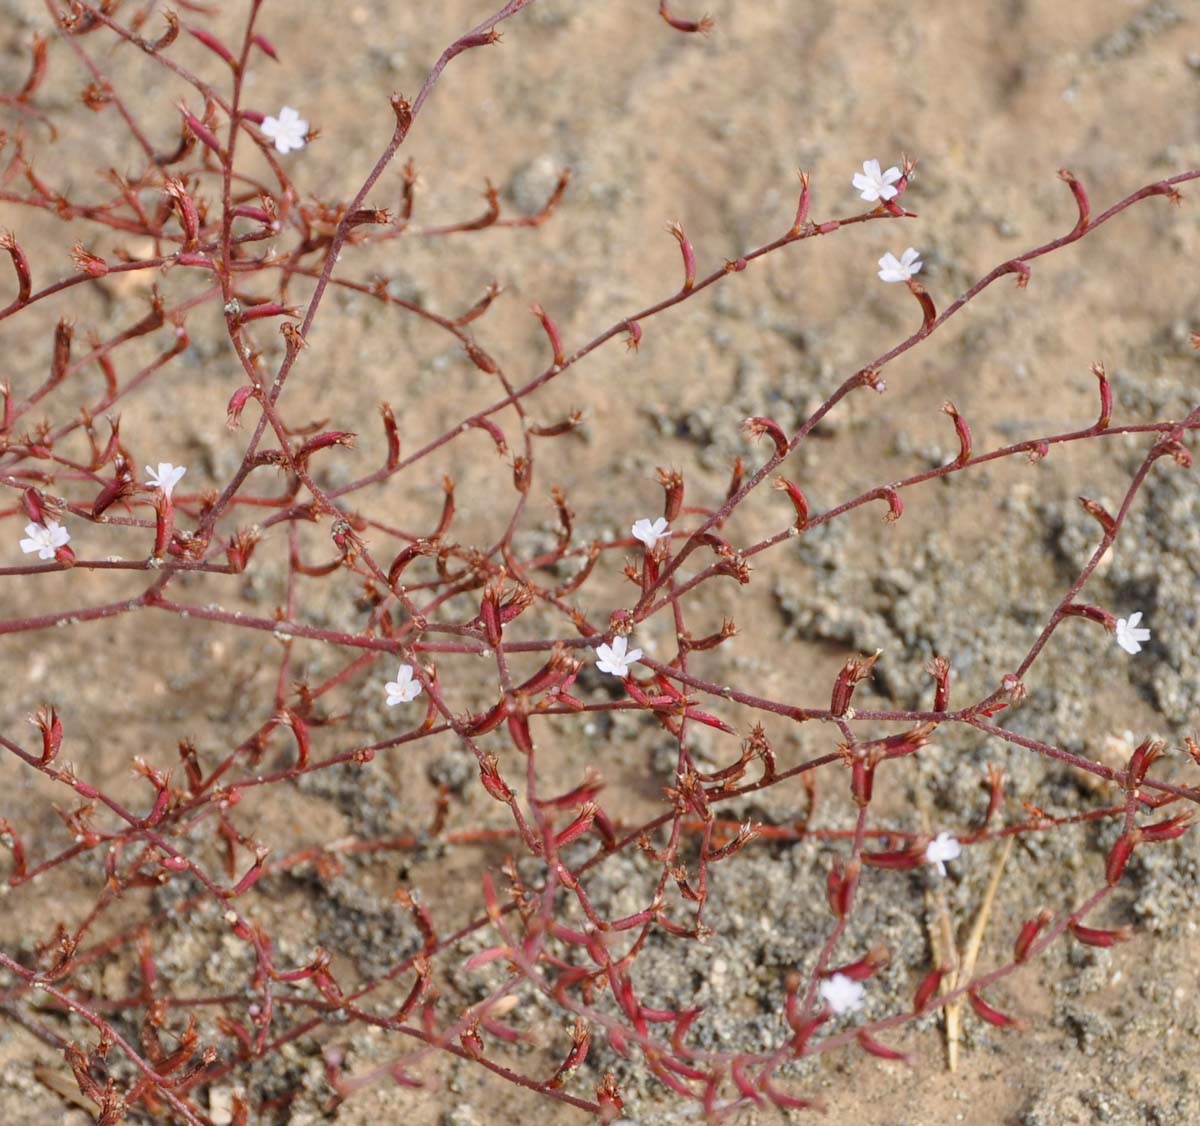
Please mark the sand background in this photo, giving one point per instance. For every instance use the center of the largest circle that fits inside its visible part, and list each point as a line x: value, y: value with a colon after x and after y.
x: 991, y: 99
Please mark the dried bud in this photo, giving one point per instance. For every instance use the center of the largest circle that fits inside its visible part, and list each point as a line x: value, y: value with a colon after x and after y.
x: 672, y: 483
x: 866, y: 966
x: 894, y: 503
x: 801, y: 219
x: 854, y: 670
x: 702, y: 26
x: 8, y: 243
x: 1118, y: 856
x: 237, y: 402
x: 757, y: 427
x: 1100, y: 514
x: 571, y: 422
x: 1081, y: 201
x: 872, y: 1046
x: 1148, y: 752
x: 489, y: 775
x: 1094, y: 936
x: 480, y: 358
x: 201, y: 132
x: 46, y: 720
x: 689, y: 256
x: 551, y: 330
x: 214, y: 45
x: 88, y: 263
x: 928, y: 309
x: 939, y: 669
x: 188, y: 217
x: 993, y: 1016
x: 963, y: 431
x: 1030, y: 929
x: 926, y: 990
x: 61, y: 357
x: 1092, y: 613
x: 1106, y: 397
x: 798, y: 499
x: 1167, y: 830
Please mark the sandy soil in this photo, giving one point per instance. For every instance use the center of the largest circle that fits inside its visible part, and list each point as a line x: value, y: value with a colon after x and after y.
x: 656, y: 126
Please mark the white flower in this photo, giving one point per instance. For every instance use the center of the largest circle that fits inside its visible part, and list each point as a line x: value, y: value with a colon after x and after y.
x: 1129, y: 634
x: 649, y: 533
x: 842, y: 994
x: 943, y: 847
x: 873, y: 184
x: 45, y: 538
x: 287, y: 130
x: 402, y: 690
x: 892, y: 269
x: 614, y: 659
x: 166, y: 477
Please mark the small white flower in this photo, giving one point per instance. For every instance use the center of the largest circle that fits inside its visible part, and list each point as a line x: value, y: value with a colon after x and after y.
x: 166, y: 477
x: 404, y: 689
x: 649, y: 533
x: 287, y: 130
x: 614, y: 659
x: 1130, y: 635
x: 893, y: 269
x: 45, y: 539
x: 873, y: 184
x: 943, y: 847
x: 842, y: 994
